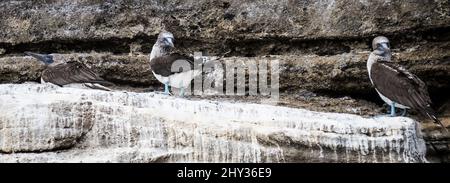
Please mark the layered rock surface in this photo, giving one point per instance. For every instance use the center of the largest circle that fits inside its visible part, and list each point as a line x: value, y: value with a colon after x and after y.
x: 46, y: 123
x: 58, y: 20
x: 322, y: 45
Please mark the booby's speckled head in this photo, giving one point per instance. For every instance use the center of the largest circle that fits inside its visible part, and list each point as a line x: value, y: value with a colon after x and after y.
x: 166, y: 39
x: 47, y: 59
x: 381, y: 46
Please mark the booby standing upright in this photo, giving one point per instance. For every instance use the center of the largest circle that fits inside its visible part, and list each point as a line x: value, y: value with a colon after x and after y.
x: 161, y: 61
x: 63, y: 73
x: 395, y: 85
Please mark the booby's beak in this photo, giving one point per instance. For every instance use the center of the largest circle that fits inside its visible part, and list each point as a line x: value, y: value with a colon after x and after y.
x: 169, y: 42
x: 385, y: 47
x: 40, y: 57
x: 47, y: 59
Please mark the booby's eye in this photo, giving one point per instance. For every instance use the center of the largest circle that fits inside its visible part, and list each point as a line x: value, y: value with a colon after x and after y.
x: 168, y: 39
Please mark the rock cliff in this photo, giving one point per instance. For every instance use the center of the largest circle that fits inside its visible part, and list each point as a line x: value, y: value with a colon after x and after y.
x: 322, y: 46
x: 46, y: 123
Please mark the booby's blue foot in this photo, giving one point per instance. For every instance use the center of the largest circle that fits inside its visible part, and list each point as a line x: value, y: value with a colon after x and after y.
x: 404, y: 112
x: 166, y: 89
x: 182, y: 92
x: 393, y: 109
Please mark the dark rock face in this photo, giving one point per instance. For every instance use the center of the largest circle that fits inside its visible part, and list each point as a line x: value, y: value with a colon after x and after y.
x: 34, y: 21
x: 332, y: 36
x: 322, y: 45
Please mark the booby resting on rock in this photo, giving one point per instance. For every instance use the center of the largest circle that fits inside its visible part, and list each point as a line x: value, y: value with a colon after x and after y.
x: 64, y: 73
x: 162, y: 61
x: 395, y: 85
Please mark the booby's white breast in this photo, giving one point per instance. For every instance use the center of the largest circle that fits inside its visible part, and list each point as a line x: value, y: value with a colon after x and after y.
x: 178, y: 80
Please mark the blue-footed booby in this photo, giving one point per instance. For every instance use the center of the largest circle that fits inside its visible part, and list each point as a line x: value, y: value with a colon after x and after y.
x: 64, y: 73
x: 162, y: 60
x: 395, y: 85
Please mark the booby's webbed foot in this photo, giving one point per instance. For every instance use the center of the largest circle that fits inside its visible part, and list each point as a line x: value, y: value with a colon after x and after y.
x: 166, y: 89
x: 393, y: 110
x: 182, y: 92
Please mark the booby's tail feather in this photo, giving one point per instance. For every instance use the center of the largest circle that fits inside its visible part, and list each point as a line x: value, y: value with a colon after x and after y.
x: 431, y: 114
x: 97, y: 86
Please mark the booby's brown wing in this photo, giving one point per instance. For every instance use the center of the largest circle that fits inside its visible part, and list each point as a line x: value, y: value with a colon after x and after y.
x: 163, y: 65
x: 399, y: 85
x: 71, y: 72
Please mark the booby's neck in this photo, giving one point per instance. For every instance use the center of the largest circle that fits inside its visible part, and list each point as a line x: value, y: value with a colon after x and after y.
x: 158, y: 51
